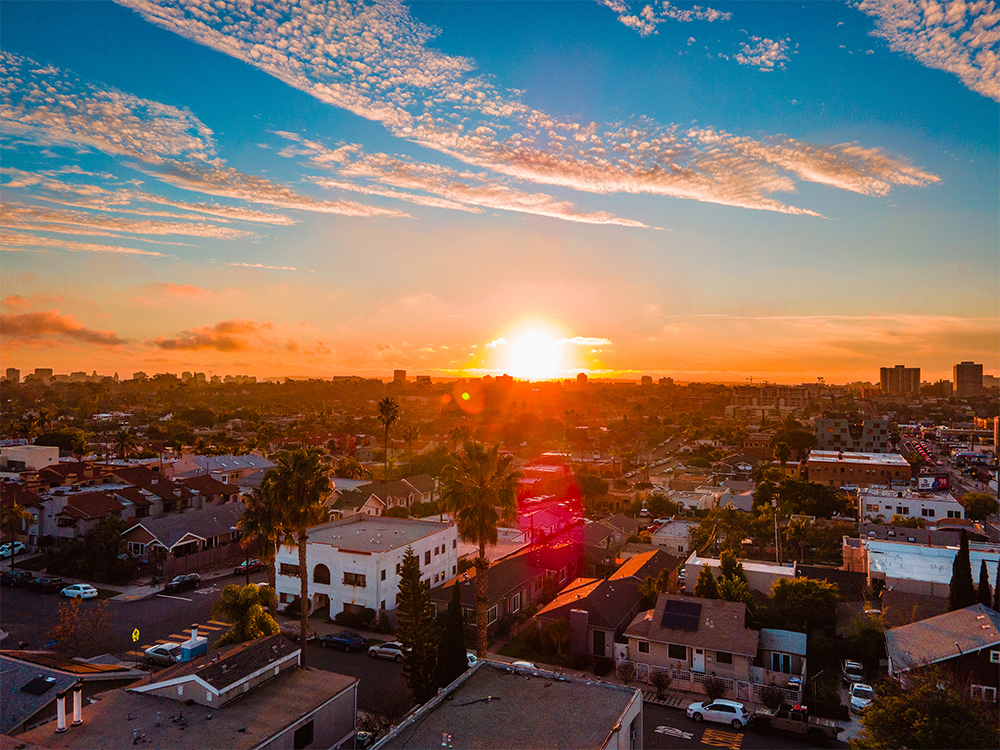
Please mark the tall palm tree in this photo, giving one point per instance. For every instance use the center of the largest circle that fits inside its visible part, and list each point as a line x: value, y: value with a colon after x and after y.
x: 13, y: 518
x: 480, y: 491
x: 243, y: 606
x: 349, y: 467
x: 302, y: 482
x: 124, y: 441
x: 264, y: 520
x: 388, y: 415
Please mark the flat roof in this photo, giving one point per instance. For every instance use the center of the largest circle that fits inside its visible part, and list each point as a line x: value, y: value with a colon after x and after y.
x: 916, y: 562
x: 243, y: 723
x: 846, y: 457
x: 364, y: 533
x: 496, y: 705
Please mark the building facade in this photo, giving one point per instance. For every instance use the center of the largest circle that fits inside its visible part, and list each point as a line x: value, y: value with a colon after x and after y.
x: 930, y: 506
x: 899, y: 380
x: 840, y: 468
x: 968, y: 379
x: 870, y: 436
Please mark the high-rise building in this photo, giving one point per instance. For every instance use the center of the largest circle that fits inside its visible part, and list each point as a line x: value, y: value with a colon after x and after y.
x: 840, y: 434
x: 646, y: 380
x: 399, y: 376
x: 968, y: 379
x: 43, y: 372
x: 581, y: 378
x: 900, y: 380
x: 13, y: 375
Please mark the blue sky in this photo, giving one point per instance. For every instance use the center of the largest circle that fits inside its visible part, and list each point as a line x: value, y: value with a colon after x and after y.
x: 777, y: 189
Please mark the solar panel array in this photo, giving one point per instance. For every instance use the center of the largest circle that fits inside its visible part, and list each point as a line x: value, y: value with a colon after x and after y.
x: 681, y: 615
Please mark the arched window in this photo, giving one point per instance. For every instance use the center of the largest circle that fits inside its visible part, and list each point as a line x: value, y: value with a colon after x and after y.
x: 321, y: 574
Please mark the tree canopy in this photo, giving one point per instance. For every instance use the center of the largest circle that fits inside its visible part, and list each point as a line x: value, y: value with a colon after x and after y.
x: 243, y: 606
x: 417, y: 629
x: 802, y: 604
x: 979, y: 506
x: 961, y: 591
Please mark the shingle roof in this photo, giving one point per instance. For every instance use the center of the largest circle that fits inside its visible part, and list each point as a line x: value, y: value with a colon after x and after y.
x: 786, y: 641
x: 644, y: 565
x: 208, y: 486
x: 206, y: 523
x: 720, y: 626
x: 18, y: 705
x: 941, y: 638
x: 228, y: 665
x: 608, y: 602
x: 90, y: 505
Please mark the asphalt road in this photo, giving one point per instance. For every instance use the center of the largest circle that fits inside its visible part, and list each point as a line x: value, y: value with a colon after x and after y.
x: 671, y: 728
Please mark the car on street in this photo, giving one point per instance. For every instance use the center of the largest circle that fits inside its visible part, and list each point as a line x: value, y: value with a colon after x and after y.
x: 16, y: 577
x: 163, y: 654
x: 861, y: 697
x: 345, y: 639
x: 472, y: 658
x: 293, y: 631
x: 248, y: 566
x: 79, y: 591
x: 183, y: 582
x: 720, y: 711
x: 390, y: 650
x: 525, y: 664
x: 12, y: 548
x: 46, y: 584
x: 852, y: 671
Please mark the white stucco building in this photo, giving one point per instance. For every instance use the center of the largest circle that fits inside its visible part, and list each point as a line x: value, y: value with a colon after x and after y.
x: 930, y: 506
x: 355, y: 562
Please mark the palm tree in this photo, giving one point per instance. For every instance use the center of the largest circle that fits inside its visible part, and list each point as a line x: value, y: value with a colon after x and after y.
x: 388, y: 415
x: 124, y: 441
x: 782, y: 452
x: 480, y: 491
x: 349, y: 467
x: 243, y: 606
x: 302, y: 482
x: 13, y: 518
x: 264, y: 520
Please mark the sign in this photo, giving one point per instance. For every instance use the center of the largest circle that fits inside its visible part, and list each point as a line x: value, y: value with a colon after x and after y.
x: 135, y: 635
x: 933, y: 483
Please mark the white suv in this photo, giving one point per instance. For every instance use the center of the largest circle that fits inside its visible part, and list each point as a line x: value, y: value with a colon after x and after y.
x: 723, y: 712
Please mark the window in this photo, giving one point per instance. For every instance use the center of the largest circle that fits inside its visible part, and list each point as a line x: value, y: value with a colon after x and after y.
x: 303, y: 736
x: 491, y: 616
x: 723, y: 657
x: 927, y: 512
x: 469, y: 615
x: 994, y: 657
x: 515, y: 603
x: 136, y: 548
x: 454, y: 570
x: 399, y: 568
x: 454, y: 543
x: 383, y: 578
x: 321, y: 574
x: 436, y: 552
x: 427, y: 557
x: 781, y: 663
x: 354, y: 579
x: 288, y: 570
x: 643, y: 647
x: 984, y: 693
x: 677, y: 652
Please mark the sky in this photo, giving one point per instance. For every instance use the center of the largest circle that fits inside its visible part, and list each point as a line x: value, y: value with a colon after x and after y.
x: 771, y: 190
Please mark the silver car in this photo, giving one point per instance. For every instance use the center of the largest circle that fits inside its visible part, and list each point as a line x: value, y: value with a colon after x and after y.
x: 163, y: 654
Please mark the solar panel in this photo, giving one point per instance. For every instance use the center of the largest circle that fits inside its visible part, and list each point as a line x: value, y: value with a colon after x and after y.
x: 39, y: 685
x: 681, y: 615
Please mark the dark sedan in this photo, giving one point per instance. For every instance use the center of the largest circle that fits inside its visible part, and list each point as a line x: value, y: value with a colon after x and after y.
x: 16, y: 577
x: 47, y: 584
x: 346, y: 639
x: 183, y: 582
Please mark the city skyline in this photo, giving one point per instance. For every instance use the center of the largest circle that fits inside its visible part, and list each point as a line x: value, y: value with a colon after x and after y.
x: 705, y: 192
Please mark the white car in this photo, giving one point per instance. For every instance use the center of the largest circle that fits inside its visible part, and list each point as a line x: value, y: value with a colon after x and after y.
x: 163, y: 654
x: 861, y: 697
x: 79, y: 591
x: 390, y: 650
x: 720, y: 711
x: 473, y: 659
x: 8, y: 549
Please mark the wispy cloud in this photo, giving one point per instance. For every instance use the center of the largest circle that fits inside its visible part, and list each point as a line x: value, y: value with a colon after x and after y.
x: 52, y: 325
x: 78, y: 222
x: 261, y: 265
x: 21, y: 241
x: 587, y: 341
x: 959, y: 37
x: 375, y: 61
x: 764, y: 54
x: 645, y: 17
x: 226, y: 336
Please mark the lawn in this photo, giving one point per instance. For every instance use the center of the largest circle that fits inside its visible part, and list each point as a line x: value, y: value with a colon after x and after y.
x: 517, y: 649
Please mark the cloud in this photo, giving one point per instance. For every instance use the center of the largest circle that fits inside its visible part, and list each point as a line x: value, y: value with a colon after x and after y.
x: 765, y: 54
x: 958, y: 37
x: 50, y: 324
x: 182, y: 291
x: 261, y: 265
x: 376, y: 61
x: 646, y: 18
x: 587, y: 341
x: 226, y: 336
x: 652, y: 309
x: 496, y: 342
x: 16, y: 302
x: 14, y: 241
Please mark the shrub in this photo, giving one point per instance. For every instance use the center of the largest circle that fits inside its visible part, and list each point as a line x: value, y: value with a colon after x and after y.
x: 293, y: 608
x: 625, y: 671
x: 465, y: 564
x: 504, y: 625
x: 366, y: 617
x: 661, y: 681
x: 771, y: 696
x: 383, y: 625
x: 602, y: 666
x: 715, y: 687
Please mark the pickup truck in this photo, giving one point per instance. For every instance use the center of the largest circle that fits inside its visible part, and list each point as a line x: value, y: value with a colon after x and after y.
x: 796, y: 719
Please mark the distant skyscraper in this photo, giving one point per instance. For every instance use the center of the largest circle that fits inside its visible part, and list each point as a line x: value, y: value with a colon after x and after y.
x: 968, y: 379
x: 646, y: 380
x: 581, y: 379
x: 666, y: 381
x: 43, y: 372
x: 13, y: 375
x: 900, y: 380
x: 399, y: 376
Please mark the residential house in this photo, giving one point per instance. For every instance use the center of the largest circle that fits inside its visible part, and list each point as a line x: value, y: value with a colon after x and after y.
x: 375, y: 498
x: 965, y: 642
x: 674, y: 537
x: 210, y: 491
x: 165, y: 495
x: 83, y: 511
x: 760, y: 575
x: 226, y: 469
x: 781, y: 659
x: 355, y: 562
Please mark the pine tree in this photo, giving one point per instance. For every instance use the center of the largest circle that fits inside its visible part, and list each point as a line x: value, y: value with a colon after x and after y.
x: 417, y: 629
x: 705, y: 587
x: 983, y: 593
x: 962, y: 592
x: 452, y: 658
x: 996, y: 590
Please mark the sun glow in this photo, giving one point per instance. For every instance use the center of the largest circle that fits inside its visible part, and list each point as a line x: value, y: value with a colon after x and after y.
x: 535, y: 355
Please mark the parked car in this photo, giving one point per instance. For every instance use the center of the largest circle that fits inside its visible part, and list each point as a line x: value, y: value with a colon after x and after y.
x: 473, y: 659
x: 720, y: 711
x: 11, y: 548
x: 163, y: 654
x: 796, y: 720
x: 861, y: 697
x: 293, y: 631
x: 852, y: 671
x: 345, y: 639
x: 46, y: 584
x: 183, y: 582
x: 16, y: 577
x: 525, y: 664
x: 390, y: 650
x: 248, y: 566
x: 79, y: 591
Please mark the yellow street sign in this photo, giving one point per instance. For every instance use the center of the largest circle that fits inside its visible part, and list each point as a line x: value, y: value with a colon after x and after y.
x: 135, y: 635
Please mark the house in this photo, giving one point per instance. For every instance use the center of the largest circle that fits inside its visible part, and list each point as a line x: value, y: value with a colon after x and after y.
x: 355, y: 562
x: 375, y: 498
x: 178, y: 543
x: 31, y: 680
x: 742, y: 502
x: 836, y: 468
x: 966, y: 642
x: 674, y: 537
x: 760, y: 575
x: 514, y: 582
x: 886, y: 502
x: 623, y: 525
x: 599, y: 610
x: 781, y: 659
x: 210, y: 491
x: 226, y: 469
x: 165, y: 495
x: 83, y: 511
x: 496, y: 705
x: 245, y: 696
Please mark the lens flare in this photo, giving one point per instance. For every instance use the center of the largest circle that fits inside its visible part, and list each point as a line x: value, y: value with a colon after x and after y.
x: 535, y: 355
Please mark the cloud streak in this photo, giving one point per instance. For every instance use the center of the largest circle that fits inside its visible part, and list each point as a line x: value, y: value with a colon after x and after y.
x: 51, y: 325
x: 233, y: 335
x: 14, y: 241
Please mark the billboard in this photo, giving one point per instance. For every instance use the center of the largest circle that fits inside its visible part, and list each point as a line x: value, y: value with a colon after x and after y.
x: 933, y: 483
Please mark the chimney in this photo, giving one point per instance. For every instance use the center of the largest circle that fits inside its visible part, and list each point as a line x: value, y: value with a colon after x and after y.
x: 77, y: 704
x: 194, y: 631
x: 61, y: 711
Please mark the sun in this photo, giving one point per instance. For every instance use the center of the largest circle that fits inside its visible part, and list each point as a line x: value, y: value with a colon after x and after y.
x: 535, y: 355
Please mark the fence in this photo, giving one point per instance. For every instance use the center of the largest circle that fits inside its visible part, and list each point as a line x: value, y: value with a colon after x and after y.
x: 171, y: 566
x: 683, y: 679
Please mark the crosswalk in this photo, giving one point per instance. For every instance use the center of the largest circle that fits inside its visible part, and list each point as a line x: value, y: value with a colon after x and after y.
x: 719, y: 738
x: 212, y: 627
